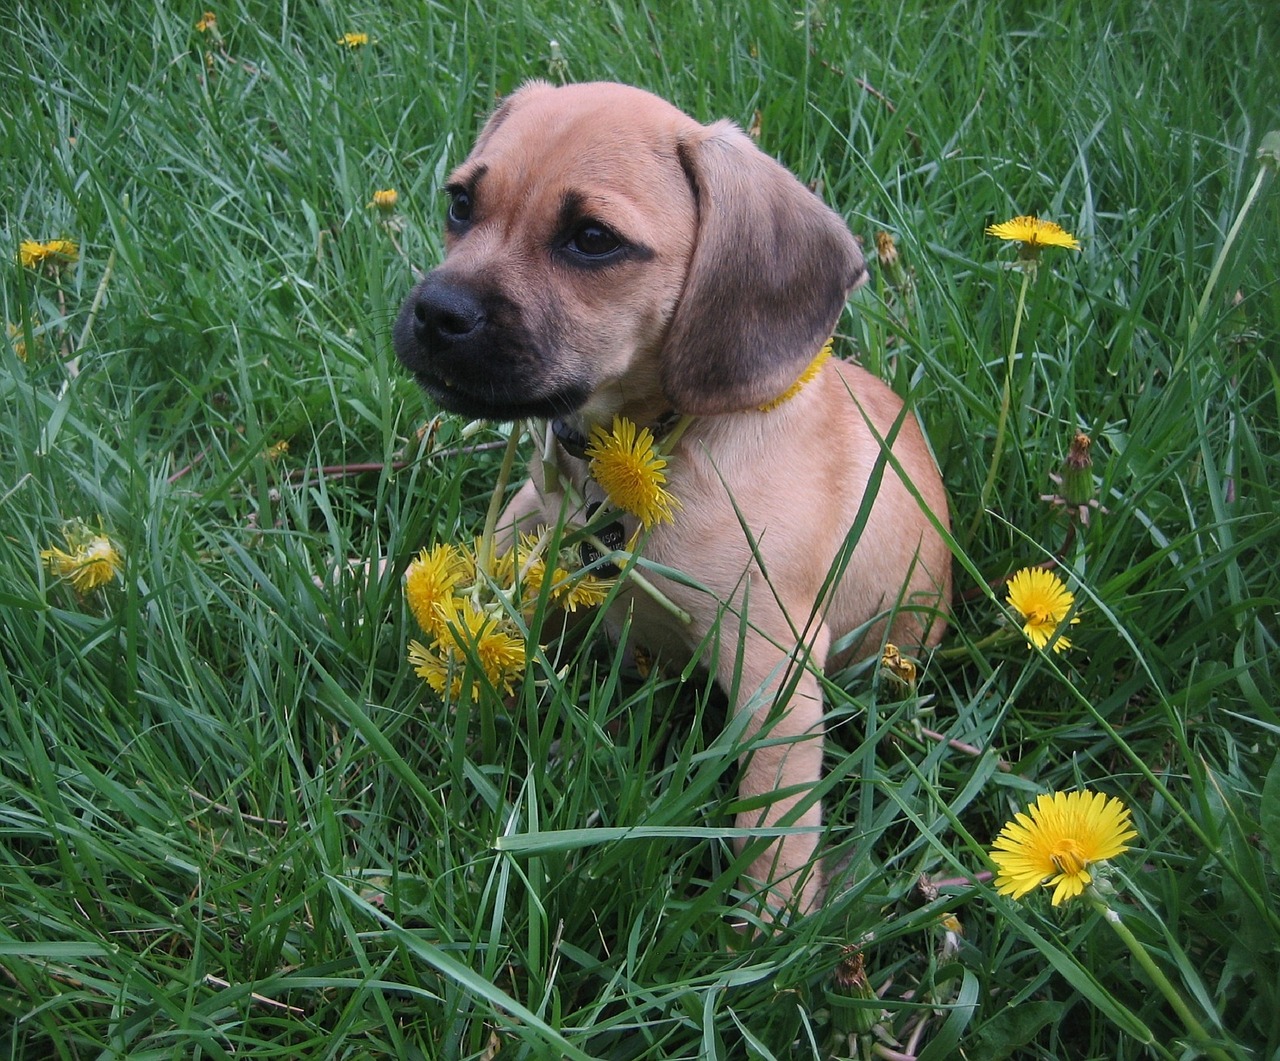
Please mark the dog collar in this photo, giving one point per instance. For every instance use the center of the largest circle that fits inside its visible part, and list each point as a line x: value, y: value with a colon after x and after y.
x: 810, y: 370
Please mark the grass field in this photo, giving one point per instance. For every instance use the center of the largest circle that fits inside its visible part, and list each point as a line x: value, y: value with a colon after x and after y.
x: 233, y: 821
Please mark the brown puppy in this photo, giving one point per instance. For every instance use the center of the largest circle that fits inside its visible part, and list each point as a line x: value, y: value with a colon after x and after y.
x: 608, y: 255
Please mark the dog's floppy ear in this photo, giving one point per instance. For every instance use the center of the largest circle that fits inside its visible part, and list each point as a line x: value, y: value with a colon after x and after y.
x: 770, y: 272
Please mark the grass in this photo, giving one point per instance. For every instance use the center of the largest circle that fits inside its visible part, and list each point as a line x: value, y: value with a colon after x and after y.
x: 233, y: 821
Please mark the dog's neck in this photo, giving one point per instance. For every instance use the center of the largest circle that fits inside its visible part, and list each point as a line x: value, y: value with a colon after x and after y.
x: 573, y: 433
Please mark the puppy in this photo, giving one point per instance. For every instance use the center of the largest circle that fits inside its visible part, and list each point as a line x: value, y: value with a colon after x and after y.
x: 608, y: 255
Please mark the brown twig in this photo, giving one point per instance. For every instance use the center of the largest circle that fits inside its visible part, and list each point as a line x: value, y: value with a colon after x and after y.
x: 961, y: 746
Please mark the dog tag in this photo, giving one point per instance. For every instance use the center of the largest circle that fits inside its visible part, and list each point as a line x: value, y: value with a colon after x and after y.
x: 611, y: 535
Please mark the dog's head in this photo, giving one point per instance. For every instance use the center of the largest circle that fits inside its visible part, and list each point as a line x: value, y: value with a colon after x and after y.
x: 608, y: 254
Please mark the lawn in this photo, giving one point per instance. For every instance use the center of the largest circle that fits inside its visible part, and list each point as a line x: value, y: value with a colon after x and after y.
x: 235, y: 821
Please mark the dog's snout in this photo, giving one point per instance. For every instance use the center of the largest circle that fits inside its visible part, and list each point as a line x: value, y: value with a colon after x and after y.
x: 446, y: 314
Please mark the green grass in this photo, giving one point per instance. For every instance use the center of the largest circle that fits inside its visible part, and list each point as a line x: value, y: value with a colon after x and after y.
x: 234, y: 822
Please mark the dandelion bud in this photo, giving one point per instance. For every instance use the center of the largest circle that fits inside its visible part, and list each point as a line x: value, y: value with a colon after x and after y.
x: 1077, y: 472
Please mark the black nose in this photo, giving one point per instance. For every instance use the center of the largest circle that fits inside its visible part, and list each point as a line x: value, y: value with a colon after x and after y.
x: 446, y: 314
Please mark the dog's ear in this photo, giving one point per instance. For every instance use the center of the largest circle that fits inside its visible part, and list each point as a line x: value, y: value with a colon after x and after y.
x: 770, y: 272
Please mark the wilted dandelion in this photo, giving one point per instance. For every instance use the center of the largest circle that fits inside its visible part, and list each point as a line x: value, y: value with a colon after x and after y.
x: 893, y: 661
x: 524, y: 568
x: 1043, y: 601
x: 626, y: 464
x: 1055, y: 842
x: 90, y: 560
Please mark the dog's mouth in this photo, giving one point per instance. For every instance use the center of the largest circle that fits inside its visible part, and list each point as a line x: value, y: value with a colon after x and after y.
x: 496, y: 399
x: 473, y: 352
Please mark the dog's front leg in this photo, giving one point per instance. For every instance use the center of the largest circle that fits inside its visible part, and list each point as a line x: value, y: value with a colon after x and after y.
x: 788, y: 762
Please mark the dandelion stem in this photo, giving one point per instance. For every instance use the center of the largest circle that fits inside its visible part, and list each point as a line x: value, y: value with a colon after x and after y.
x: 675, y: 434
x: 98, y: 297
x: 1006, y: 399
x: 1194, y: 1027
x: 640, y: 581
x: 484, y: 558
x: 1218, y: 264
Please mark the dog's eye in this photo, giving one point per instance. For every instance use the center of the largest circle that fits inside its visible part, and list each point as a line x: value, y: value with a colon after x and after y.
x: 460, y: 207
x: 593, y: 240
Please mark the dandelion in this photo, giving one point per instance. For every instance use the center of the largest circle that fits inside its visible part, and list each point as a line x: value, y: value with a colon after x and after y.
x: 276, y: 450
x: 429, y: 583
x: 89, y: 561
x: 1055, y: 842
x: 354, y: 40
x: 577, y: 590
x: 57, y: 252
x: 208, y: 21
x: 1043, y: 601
x: 484, y: 637
x: 384, y: 200
x: 522, y: 567
x: 17, y: 337
x: 436, y: 670
x: 627, y: 466
x: 894, y: 662
x: 1034, y: 233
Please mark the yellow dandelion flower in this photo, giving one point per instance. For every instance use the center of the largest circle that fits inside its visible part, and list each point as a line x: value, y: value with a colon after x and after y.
x: 485, y: 638
x: 207, y: 22
x: 522, y: 567
x: 384, y: 199
x: 440, y: 672
x: 1056, y: 841
x: 32, y: 253
x: 89, y: 562
x: 1034, y: 233
x: 17, y: 337
x: 429, y: 582
x: 1043, y: 601
x: 577, y: 590
x: 354, y: 40
x: 626, y: 464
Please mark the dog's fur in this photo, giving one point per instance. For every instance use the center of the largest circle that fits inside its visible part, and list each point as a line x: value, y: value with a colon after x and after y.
x: 608, y: 255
